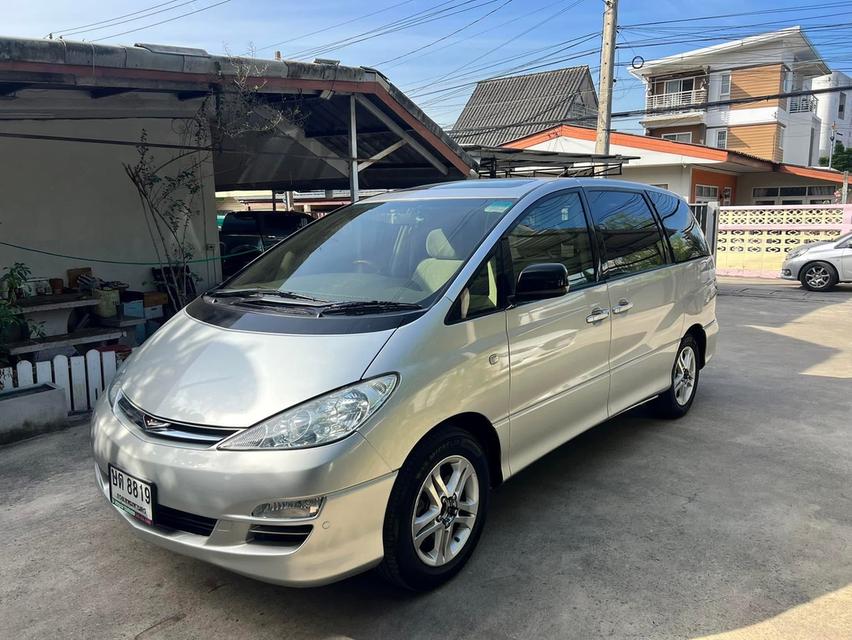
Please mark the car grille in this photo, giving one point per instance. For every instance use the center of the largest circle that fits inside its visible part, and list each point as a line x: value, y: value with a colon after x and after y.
x: 182, y: 521
x: 285, y: 535
x: 169, y: 430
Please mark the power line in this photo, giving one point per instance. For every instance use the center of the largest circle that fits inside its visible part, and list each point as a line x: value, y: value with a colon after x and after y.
x: 106, y: 24
x: 155, y: 24
x: 334, y: 26
x: 639, y: 112
x: 441, y: 39
x: 791, y: 9
x: 126, y: 15
x: 415, y: 19
x: 450, y: 74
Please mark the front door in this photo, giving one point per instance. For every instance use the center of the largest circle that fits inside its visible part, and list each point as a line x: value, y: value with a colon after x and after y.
x: 558, y: 347
x: 646, y: 316
x: 845, y: 270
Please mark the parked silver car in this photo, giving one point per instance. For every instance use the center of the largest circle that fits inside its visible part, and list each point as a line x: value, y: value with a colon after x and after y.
x: 348, y: 399
x: 820, y: 265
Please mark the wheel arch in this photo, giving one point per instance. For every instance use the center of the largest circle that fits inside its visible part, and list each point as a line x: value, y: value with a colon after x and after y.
x: 809, y: 263
x: 482, y: 430
x: 700, y: 336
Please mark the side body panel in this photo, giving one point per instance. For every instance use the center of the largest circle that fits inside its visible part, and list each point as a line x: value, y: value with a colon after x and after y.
x: 559, y: 371
x: 645, y: 336
x: 444, y: 370
x: 845, y: 263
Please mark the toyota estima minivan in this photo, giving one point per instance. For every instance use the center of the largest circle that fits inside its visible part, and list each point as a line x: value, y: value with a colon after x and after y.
x: 349, y: 398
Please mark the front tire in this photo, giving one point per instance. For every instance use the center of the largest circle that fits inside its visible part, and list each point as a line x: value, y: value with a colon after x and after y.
x: 818, y: 276
x: 677, y: 400
x: 436, y: 511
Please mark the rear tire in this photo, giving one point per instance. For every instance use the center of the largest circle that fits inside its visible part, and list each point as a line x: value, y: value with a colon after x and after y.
x: 436, y: 511
x: 818, y: 276
x: 676, y: 401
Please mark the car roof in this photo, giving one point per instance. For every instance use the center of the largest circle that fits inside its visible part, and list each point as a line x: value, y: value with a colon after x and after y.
x: 514, y: 188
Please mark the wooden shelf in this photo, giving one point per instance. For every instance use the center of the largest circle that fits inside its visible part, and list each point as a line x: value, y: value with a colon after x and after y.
x: 126, y: 321
x: 36, y: 304
x: 84, y: 336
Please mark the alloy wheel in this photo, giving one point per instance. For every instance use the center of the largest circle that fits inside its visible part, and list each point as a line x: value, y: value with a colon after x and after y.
x: 817, y: 276
x: 684, y: 375
x: 445, y: 511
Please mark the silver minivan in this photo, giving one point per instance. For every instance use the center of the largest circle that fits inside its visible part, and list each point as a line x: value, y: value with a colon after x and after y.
x: 348, y: 399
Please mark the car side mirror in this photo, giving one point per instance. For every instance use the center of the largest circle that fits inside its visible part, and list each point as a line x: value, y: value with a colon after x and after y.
x: 540, y: 281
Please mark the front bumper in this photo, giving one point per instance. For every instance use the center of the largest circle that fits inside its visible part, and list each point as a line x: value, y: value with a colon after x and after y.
x: 345, y: 538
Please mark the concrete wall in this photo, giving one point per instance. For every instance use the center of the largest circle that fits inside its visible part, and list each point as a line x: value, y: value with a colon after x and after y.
x: 676, y: 177
x: 74, y: 198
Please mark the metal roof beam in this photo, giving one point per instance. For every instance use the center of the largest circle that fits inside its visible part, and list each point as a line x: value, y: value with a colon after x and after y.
x: 393, y: 126
x: 381, y: 154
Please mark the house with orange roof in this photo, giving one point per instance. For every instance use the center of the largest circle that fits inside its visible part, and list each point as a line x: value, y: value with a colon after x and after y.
x: 697, y: 172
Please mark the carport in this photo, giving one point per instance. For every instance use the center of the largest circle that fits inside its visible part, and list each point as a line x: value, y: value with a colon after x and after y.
x: 72, y: 114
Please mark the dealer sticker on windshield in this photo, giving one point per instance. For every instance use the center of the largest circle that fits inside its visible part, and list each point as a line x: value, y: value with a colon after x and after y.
x: 132, y: 495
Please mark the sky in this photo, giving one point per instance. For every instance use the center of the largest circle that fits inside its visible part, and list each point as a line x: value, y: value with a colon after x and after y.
x: 436, y: 50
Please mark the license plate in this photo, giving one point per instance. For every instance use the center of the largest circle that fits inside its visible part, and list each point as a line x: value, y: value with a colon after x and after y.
x: 131, y: 495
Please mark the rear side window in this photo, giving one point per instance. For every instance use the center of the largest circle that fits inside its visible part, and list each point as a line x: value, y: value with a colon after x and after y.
x: 680, y: 225
x: 554, y: 229
x: 627, y: 230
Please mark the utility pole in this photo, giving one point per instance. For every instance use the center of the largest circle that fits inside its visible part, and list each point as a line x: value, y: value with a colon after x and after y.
x: 831, y: 143
x: 610, y: 19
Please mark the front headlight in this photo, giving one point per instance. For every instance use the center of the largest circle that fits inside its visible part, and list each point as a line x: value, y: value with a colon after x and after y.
x: 795, y: 253
x: 318, y: 421
x: 115, y: 386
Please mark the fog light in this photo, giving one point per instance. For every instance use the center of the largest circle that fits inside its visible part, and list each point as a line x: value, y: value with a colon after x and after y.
x: 786, y: 272
x: 291, y: 509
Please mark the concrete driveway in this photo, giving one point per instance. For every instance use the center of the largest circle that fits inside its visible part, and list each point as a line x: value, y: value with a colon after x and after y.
x: 736, y: 520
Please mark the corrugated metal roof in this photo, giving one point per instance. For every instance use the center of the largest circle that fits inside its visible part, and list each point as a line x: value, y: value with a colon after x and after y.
x: 490, y: 114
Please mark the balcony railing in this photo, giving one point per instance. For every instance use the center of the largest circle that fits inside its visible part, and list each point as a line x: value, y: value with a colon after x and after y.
x: 693, y: 98
x: 802, y: 104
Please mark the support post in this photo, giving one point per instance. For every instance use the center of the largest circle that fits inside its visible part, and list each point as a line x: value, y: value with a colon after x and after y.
x: 844, y: 193
x: 353, y: 151
x: 274, y: 208
x: 606, y: 78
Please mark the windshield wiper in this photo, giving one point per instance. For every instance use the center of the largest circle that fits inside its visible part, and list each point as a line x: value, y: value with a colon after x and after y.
x: 361, y: 307
x: 248, y: 293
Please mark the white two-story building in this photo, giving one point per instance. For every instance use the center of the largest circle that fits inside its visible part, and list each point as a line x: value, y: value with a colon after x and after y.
x: 682, y: 90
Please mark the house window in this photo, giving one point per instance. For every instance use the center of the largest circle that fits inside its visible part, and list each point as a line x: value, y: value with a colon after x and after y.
x: 706, y: 193
x: 793, y: 195
x: 681, y: 136
x: 681, y: 84
x: 841, y: 106
x: 725, y: 85
x: 661, y: 186
x: 722, y: 138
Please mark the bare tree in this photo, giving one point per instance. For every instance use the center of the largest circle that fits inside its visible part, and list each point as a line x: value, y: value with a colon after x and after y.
x: 168, y: 190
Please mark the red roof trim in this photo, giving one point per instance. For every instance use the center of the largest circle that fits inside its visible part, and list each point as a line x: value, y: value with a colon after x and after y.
x: 650, y: 143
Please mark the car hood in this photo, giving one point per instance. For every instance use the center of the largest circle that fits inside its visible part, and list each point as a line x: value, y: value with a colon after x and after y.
x: 193, y: 372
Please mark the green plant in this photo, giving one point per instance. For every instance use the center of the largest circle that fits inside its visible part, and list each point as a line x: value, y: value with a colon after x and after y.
x: 11, y: 318
x: 13, y: 281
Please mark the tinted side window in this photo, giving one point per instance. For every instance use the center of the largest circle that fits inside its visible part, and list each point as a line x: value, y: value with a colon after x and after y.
x: 680, y: 226
x: 629, y: 234
x: 554, y: 229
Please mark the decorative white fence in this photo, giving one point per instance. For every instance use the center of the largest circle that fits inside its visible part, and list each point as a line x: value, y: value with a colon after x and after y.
x: 83, y: 378
x: 754, y: 241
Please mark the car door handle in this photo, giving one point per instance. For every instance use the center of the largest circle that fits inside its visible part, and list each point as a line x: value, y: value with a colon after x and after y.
x: 597, y: 315
x: 623, y: 305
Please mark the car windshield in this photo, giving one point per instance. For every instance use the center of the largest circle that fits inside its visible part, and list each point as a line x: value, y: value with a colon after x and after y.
x: 401, y: 251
